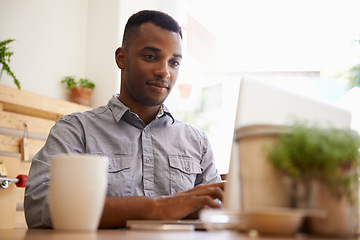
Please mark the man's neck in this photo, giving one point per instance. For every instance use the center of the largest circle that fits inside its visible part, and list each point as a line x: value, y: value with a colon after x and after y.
x: 145, y: 113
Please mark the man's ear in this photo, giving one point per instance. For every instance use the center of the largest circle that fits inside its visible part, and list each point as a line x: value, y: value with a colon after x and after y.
x: 120, y: 57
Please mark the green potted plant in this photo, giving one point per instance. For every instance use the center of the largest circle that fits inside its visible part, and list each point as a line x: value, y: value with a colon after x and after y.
x: 325, y: 162
x: 80, y: 90
x: 5, y: 55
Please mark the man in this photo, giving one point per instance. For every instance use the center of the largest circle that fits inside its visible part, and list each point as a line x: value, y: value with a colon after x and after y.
x: 154, y: 160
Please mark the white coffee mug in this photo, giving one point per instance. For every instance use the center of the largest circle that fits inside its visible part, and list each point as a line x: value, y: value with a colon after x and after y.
x: 77, y: 191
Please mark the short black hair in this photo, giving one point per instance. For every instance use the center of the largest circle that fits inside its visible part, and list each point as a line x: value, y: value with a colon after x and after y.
x: 158, y: 18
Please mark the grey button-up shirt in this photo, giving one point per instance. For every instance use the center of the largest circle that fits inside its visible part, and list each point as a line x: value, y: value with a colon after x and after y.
x: 162, y: 158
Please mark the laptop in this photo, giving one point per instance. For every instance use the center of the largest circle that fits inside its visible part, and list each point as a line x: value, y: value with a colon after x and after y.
x: 259, y: 104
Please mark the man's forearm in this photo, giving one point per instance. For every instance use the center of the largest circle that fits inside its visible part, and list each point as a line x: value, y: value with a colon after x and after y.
x: 118, y: 210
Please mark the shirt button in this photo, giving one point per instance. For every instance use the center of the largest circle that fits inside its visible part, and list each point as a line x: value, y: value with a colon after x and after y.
x: 187, y: 168
x: 149, y: 193
x: 148, y: 160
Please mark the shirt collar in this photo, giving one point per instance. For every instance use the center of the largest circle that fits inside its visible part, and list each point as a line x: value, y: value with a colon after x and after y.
x: 119, y: 109
x: 165, y: 111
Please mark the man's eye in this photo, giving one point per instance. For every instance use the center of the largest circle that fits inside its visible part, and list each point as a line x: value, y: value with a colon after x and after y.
x: 151, y: 57
x: 175, y: 63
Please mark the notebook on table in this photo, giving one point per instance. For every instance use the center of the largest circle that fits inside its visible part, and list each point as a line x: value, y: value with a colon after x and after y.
x: 165, y: 225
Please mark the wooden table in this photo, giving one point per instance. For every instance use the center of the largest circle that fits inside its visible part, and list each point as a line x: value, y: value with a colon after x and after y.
x: 123, y: 234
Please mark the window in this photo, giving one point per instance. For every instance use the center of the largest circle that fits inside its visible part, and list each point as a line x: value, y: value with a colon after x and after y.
x: 298, y: 45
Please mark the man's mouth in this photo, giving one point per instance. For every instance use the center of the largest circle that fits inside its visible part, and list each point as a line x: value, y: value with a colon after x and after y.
x: 158, y: 84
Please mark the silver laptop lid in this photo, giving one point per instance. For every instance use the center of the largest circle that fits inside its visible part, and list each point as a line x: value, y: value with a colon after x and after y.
x: 261, y: 103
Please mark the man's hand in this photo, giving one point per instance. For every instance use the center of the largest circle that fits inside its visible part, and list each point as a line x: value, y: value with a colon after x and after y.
x: 118, y: 210
x: 187, y: 204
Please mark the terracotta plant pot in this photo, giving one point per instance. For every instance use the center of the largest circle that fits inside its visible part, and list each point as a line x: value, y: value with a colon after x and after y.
x: 81, y: 95
x: 262, y: 185
x: 342, y: 216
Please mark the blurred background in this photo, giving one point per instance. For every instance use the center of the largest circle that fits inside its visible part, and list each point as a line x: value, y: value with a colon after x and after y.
x: 306, y: 46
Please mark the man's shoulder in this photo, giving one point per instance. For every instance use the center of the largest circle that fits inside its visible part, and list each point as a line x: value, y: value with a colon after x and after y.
x: 177, y: 123
x: 80, y: 116
x: 185, y: 126
x: 96, y: 111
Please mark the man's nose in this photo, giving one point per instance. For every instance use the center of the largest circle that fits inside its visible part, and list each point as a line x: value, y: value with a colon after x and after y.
x: 162, y: 70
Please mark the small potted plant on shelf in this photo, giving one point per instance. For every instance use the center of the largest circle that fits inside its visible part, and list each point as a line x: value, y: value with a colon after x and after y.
x: 325, y: 162
x: 5, y: 55
x: 80, y: 90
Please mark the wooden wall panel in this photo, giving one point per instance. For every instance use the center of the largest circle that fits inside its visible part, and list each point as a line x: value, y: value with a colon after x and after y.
x: 11, y: 144
x: 39, y: 113
x: 34, y: 124
x: 8, y: 196
x: 20, y: 101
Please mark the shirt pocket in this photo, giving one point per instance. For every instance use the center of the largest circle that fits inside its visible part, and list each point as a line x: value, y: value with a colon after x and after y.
x: 183, y: 172
x: 119, y: 175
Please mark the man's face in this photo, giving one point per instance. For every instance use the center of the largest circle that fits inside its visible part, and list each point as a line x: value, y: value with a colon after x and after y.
x: 150, y: 65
